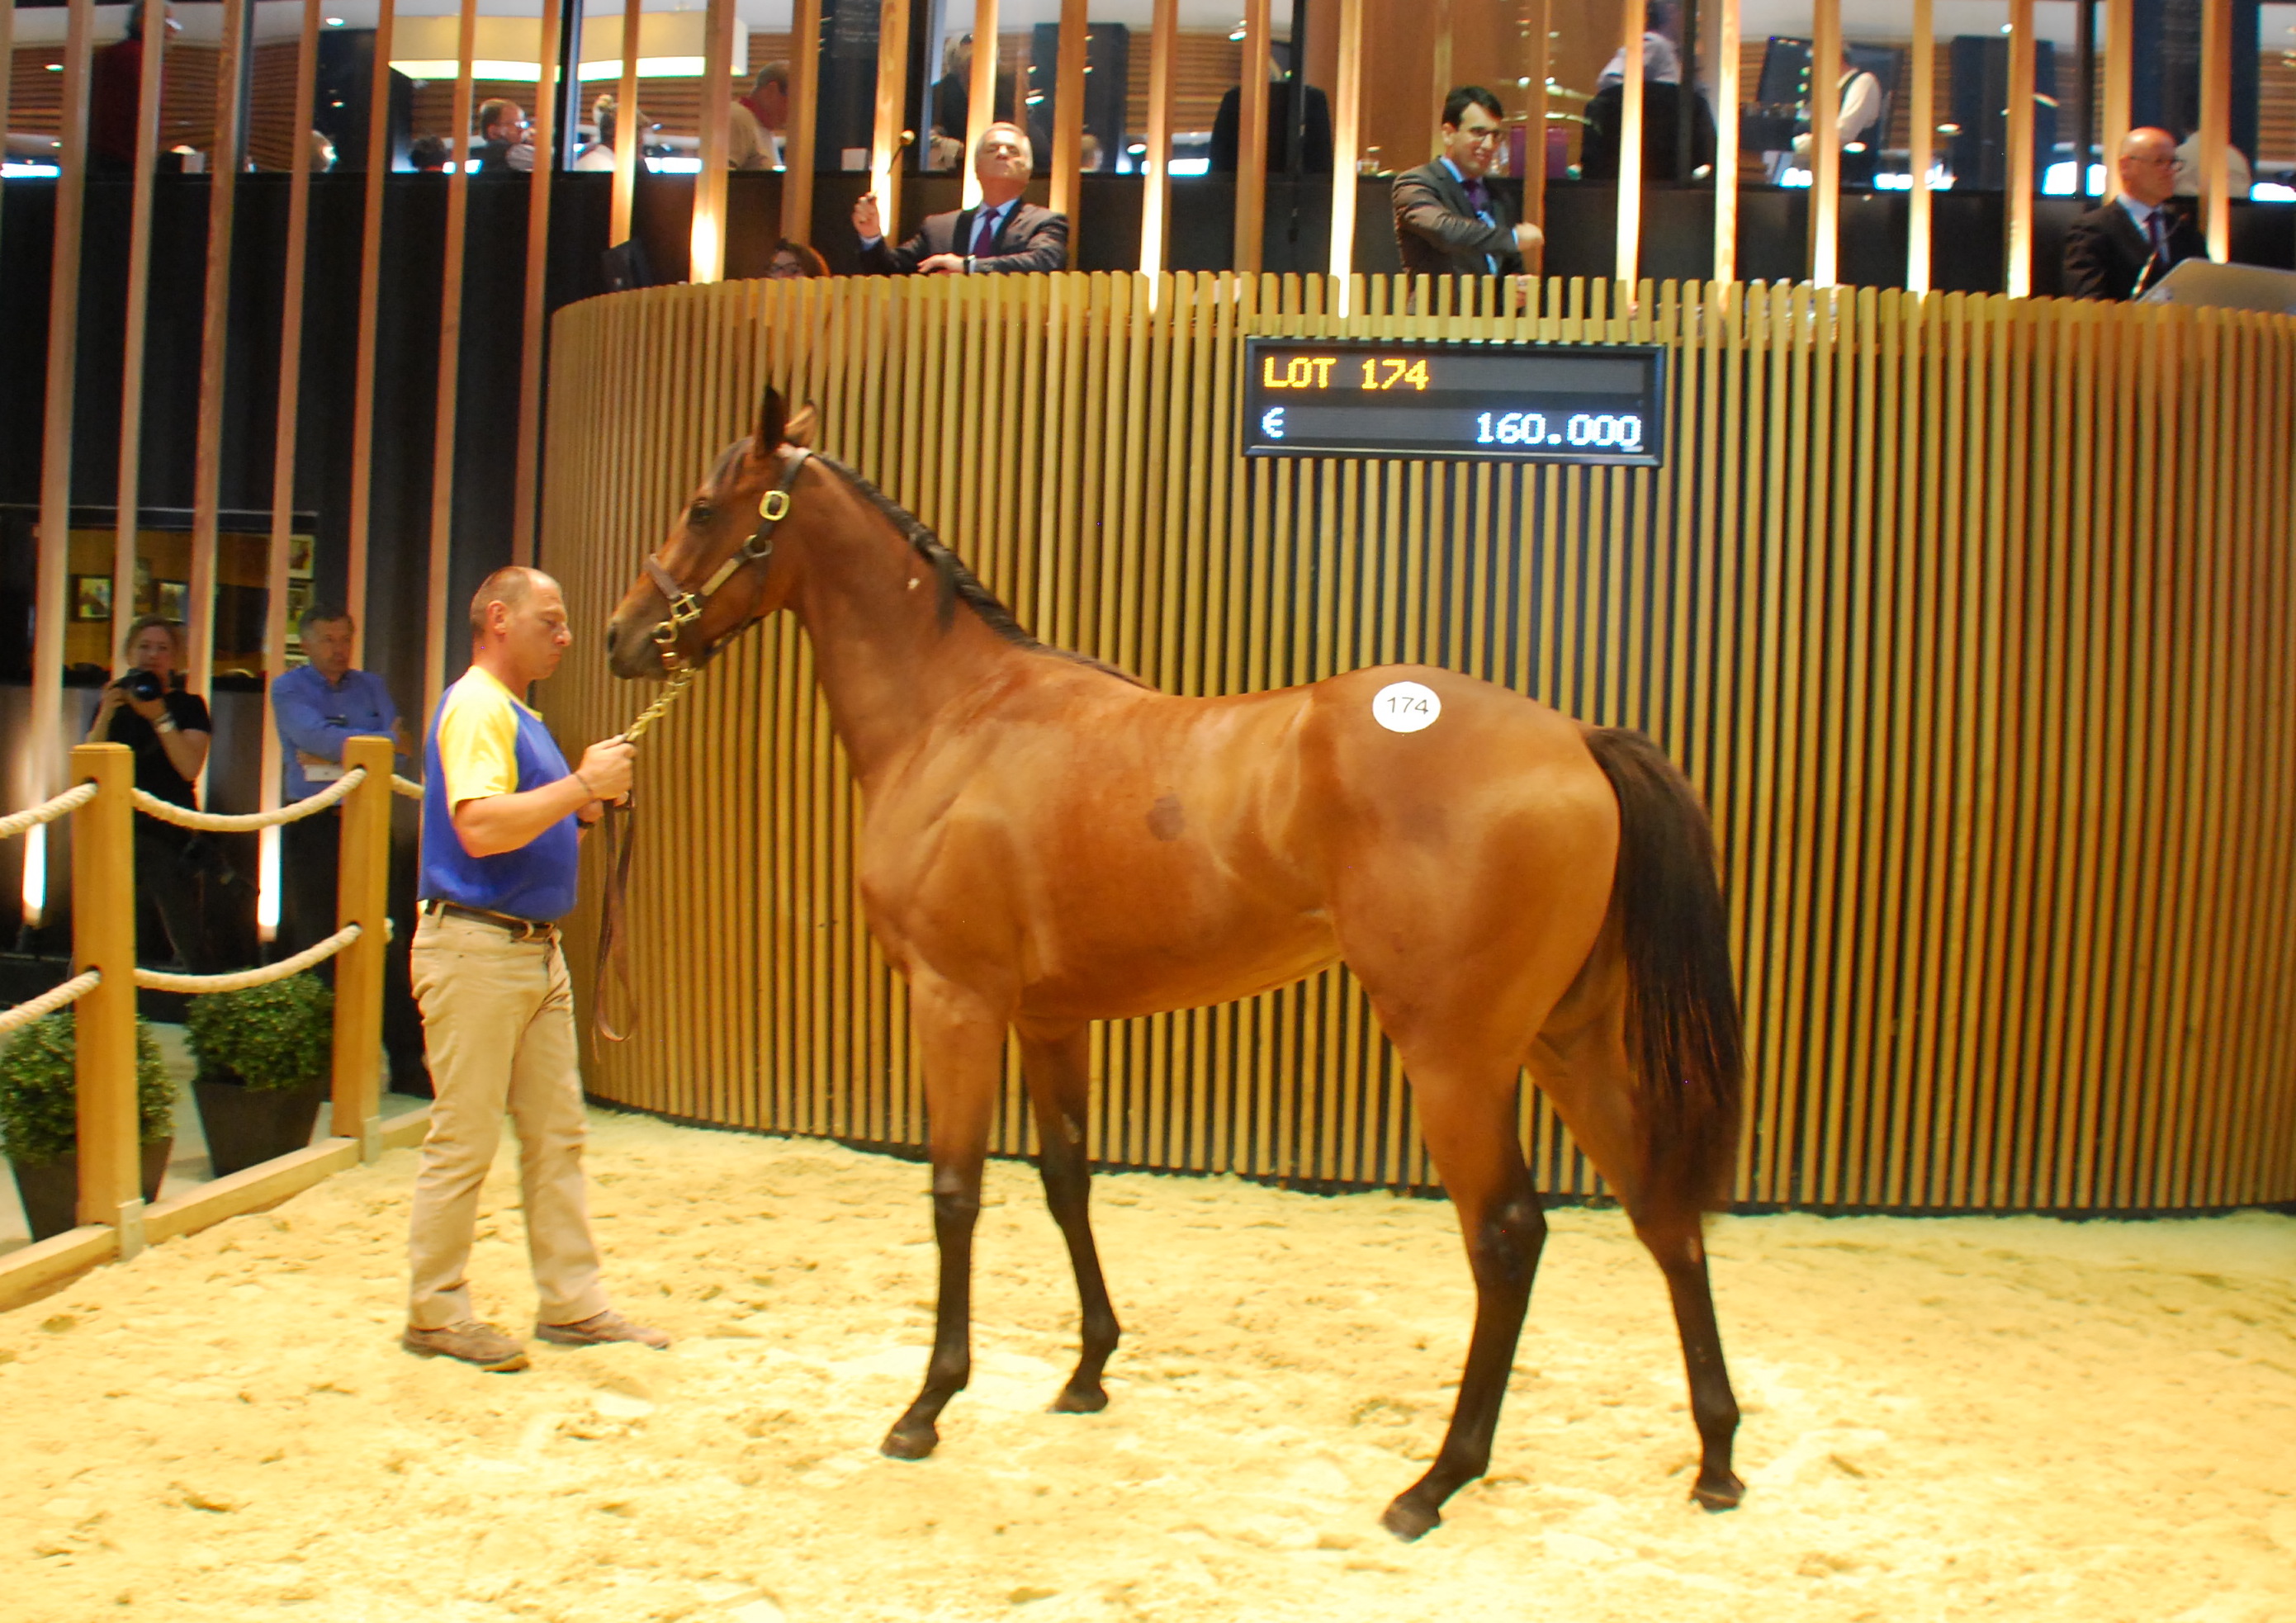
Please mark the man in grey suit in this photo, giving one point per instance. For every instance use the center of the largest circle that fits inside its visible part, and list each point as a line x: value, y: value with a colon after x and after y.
x: 1004, y: 233
x: 1448, y: 223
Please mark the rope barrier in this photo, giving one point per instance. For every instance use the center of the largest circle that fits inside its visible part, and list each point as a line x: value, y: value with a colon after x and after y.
x: 47, y: 811
x: 159, y: 981
x: 408, y: 787
x: 221, y: 823
x: 48, y: 1002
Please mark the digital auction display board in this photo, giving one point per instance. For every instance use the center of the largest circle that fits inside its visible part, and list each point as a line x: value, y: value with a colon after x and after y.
x: 1565, y: 403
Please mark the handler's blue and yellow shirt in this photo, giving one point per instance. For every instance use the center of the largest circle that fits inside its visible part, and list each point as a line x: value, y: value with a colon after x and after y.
x: 483, y: 742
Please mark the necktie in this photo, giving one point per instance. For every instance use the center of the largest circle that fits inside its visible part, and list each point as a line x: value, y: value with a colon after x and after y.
x: 986, y: 237
x: 1479, y: 196
x: 2157, y: 229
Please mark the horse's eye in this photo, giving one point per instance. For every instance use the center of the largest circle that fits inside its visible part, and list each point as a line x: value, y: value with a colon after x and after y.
x: 703, y: 514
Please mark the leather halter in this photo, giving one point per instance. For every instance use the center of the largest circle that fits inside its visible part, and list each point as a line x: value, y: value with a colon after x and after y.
x: 686, y: 606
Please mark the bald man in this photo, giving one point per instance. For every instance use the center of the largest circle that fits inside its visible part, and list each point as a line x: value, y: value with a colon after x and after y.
x: 2117, y: 251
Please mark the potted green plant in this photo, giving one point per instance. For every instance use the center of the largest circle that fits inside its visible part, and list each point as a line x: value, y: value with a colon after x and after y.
x: 262, y: 1054
x: 39, y: 1116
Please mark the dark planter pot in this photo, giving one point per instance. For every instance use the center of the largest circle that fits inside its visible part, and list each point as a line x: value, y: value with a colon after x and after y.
x: 247, y: 1126
x: 50, y: 1190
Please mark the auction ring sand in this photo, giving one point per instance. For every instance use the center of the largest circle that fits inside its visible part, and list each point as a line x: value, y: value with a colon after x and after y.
x: 1945, y: 1418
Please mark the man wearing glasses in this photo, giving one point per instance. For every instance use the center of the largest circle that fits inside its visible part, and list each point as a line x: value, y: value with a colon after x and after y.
x: 2117, y: 251
x: 1447, y: 221
x: 503, y: 143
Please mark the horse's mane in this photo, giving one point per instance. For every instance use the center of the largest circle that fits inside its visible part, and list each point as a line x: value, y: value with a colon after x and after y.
x: 958, y: 583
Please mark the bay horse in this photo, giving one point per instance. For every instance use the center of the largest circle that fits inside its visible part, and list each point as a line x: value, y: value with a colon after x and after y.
x: 1047, y: 841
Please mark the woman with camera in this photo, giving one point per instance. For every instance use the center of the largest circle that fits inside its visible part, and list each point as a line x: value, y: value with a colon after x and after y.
x: 169, y: 730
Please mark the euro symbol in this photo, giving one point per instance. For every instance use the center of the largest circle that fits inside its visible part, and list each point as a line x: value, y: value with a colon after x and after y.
x: 1271, y: 422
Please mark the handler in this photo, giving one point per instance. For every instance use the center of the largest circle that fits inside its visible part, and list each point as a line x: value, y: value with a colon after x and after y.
x: 501, y: 820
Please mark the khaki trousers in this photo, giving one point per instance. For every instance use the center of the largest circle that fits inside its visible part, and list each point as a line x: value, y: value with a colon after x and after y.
x: 498, y: 1031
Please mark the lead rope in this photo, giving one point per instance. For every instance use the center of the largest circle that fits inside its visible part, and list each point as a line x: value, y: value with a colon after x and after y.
x: 620, y: 831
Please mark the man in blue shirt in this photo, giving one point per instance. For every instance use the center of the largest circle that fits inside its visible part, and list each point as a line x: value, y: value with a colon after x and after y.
x: 503, y: 816
x: 316, y: 708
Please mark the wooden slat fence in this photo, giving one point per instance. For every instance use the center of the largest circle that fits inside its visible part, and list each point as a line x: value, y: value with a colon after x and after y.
x: 1971, y: 617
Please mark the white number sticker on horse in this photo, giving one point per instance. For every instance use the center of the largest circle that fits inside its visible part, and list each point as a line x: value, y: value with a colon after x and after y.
x: 1406, y: 706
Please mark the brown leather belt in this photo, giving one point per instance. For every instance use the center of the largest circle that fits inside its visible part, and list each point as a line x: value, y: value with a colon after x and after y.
x: 520, y: 929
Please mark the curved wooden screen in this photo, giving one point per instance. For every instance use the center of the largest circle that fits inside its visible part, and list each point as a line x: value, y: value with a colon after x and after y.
x: 1970, y: 616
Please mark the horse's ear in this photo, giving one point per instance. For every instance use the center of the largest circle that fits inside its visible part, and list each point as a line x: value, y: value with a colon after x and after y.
x: 772, y: 418
x: 802, y: 422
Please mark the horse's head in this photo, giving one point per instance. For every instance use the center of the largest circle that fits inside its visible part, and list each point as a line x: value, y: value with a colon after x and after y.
x: 715, y: 574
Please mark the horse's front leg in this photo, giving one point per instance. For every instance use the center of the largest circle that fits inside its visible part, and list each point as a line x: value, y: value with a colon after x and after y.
x: 963, y: 1041
x: 1060, y: 1089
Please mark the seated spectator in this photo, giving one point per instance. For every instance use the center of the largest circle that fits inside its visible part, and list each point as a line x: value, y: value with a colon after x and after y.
x: 322, y: 153
x: 599, y: 153
x: 1447, y: 221
x: 169, y: 731
x: 792, y: 259
x: 2116, y: 252
x: 1004, y: 233
x: 502, y: 132
x: 1598, y: 151
x: 116, y: 95
x: 1315, y: 149
x: 755, y: 121
x: 2239, y: 175
x: 1662, y: 57
x: 429, y: 155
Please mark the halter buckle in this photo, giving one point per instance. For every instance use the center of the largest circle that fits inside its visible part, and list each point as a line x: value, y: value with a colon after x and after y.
x: 774, y: 506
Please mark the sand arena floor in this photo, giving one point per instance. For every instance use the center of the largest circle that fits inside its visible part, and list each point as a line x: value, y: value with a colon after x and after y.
x: 2015, y: 1418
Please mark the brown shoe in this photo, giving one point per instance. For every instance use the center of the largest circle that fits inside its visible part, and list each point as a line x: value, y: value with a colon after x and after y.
x: 470, y: 1342
x: 599, y: 1328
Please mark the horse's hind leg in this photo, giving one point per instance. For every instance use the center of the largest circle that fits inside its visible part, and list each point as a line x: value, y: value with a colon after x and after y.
x: 1059, y: 1078
x: 1585, y: 1070
x: 963, y: 1046
x: 1468, y: 1117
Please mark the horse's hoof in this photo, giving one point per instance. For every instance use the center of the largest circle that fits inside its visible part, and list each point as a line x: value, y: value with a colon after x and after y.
x: 907, y: 1442
x: 1080, y: 1400
x: 1720, y: 1492
x: 1407, y: 1519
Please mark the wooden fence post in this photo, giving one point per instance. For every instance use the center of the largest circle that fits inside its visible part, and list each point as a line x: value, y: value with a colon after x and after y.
x: 359, y: 899
x: 103, y: 940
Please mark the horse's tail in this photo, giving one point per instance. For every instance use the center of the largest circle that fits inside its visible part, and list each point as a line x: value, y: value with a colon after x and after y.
x: 1682, y: 1007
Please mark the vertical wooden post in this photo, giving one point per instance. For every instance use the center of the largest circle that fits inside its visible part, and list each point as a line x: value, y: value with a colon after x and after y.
x: 885, y: 144
x: 54, y: 563
x: 527, y: 491
x: 378, y: 164
x: 8, y: 55
x: 706, y: 241
x: 2018, y: 280
x: 1633, y: 16
x: 127, y: 502
x: 1068, y: 108
x: 1538, y: 22
x: 1252, y: 143
x: 359, y: 899
x: 1156, y: 163
x: 2120, y: 80
x: 282, y: 463
x: 224, y: 164
x: 1347, y: 150
x: 444, y: 409
x: 981, y: 100
x: 104, y: 1021
x: 1920, y: 145
x: 1825, y: 145
x: 1724, y: 47
x: 798, y: 158
x: 2215, y: 127
x: 1438, y: 34
x: 629, y: 128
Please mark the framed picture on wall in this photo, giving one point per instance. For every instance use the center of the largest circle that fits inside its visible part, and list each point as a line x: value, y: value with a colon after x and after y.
x: 299, y: 598
x: 298, y: 557
x: 91, y: 597
x: 170, y: 598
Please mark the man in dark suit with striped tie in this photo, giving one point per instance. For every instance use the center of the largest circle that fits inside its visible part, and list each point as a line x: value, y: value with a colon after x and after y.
x: 1004, y: 233
x: 2117, y: 251
x: 1447, y: 221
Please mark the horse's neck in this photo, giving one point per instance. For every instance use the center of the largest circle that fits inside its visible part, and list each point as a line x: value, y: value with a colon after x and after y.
x: 886, y: 664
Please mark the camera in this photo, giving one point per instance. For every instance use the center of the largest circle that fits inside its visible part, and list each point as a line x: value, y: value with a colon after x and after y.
x: 141, y: 686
